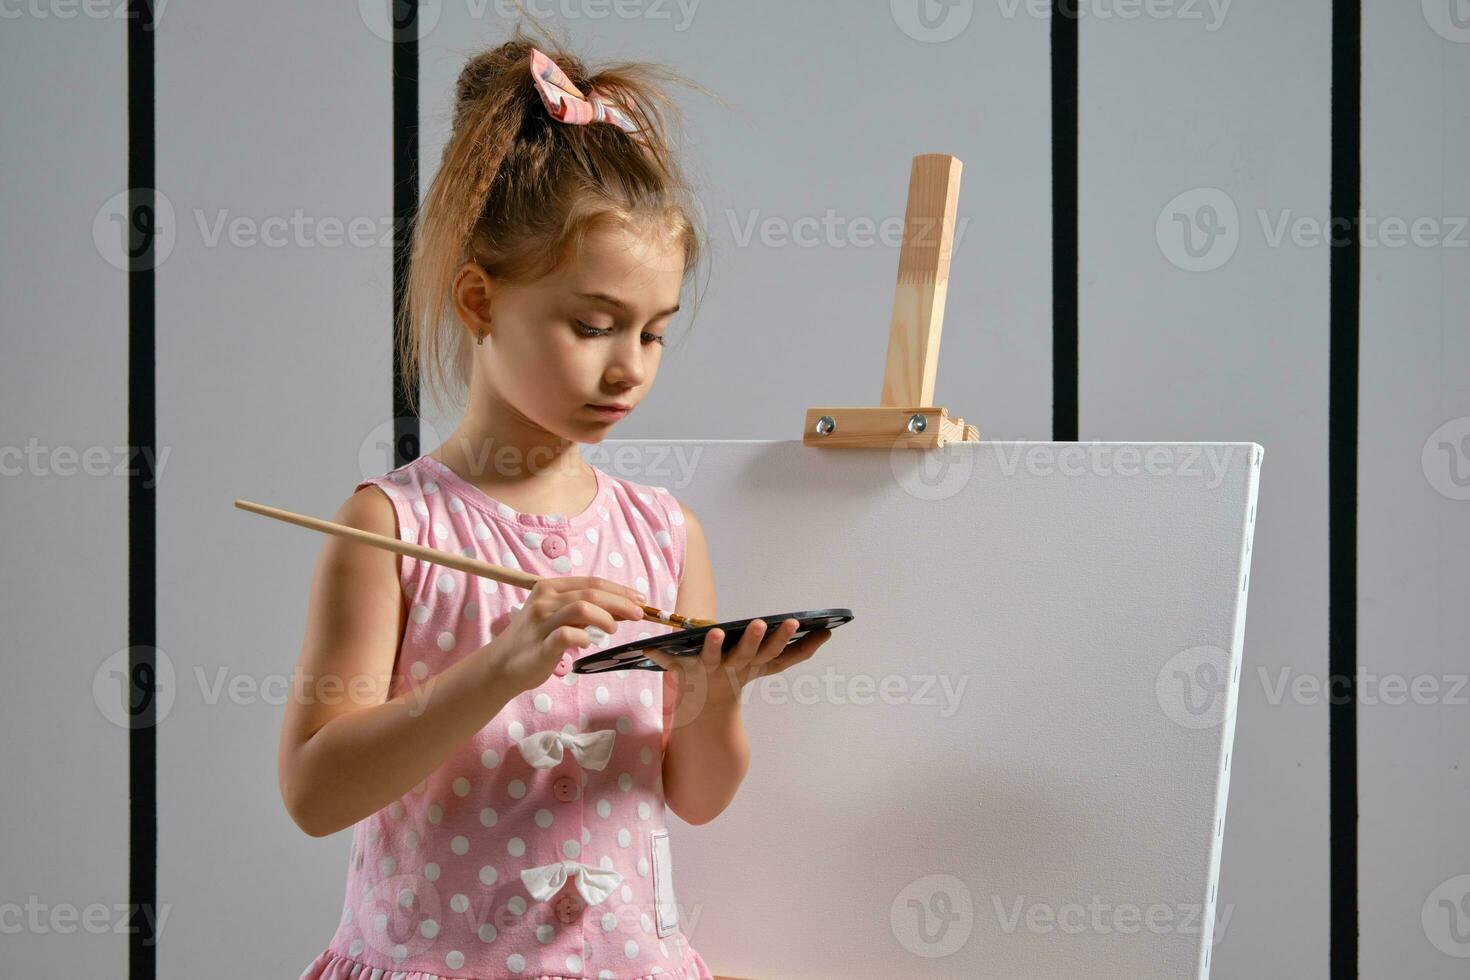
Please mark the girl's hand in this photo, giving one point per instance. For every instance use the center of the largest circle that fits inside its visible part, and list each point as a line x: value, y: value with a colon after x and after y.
x: 759, y: 653
x: 554, y: 619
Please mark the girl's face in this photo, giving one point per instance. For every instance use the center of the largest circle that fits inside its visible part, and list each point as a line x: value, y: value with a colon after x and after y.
x: 591, y: 333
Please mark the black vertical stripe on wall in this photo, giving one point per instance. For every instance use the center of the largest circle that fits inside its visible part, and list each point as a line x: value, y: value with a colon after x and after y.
x: 142, y: 503
x: 1064, y: 281
x: 405, y: 200
x: 1342, y: 474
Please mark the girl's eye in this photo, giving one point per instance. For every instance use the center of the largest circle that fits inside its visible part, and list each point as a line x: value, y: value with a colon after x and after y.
x: 589, y: 331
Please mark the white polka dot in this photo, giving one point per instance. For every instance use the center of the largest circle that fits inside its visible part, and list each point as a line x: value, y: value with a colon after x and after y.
x: 420, y: 508
x: 627, y: 894
x: 482, y: 530
x: 592, y: 535
x: 532, y: 539
x: 454, y: 959
x: 431, y: 871
x: 440, y: 531
x: 562, y: 564
x: 515, y: 962
x: 487, y: 933
x: 446, y: 641
x: 472, y: 611
x: 615, y: 559
x: 420, y: 613
x: 544, y: 933
x: 517, y: 904
x: 355, y: 947
x: 676, y: 516
x: 411, y: 839
x: 429, y: 928
x: 663, y: 539
x: 516, y: 789
x: 380, y: 922
x: 601, y: 694
x: 571, y: 848
x: 461, y: 787
x: 509, y: 560
x: 543, y: 818
x: 488, y: 874
x: 444, y: 583
x: 574, y: 963
x: 460, y: 844
x: 641, y: 584
x: 625, y: 781
x: 605, y: 862
x: 604, y: 808
x: 645, y: 755
x: 624, y: 725
x: 456, y: 506
x: 419, y: 669
x: 630, y: 949
x: 517, y: 731
x: 489, y: 758
x: 387, y: 865
x: 488, y: 816
x: 645, y: 922
x: 395, y: 810
x: 643, y: 867
x: 645, y: 697
x: 430, y: 486
x: 624, y: 838
x: 609, y: 922
x: 459, y: 903
x: 515, y: 846
x: 436, y: 813
x: 643, y: 810
x: 542, y: 701
x: 628, y: 536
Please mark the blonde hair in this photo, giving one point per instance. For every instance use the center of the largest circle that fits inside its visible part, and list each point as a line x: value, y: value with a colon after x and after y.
x: 517, y: 191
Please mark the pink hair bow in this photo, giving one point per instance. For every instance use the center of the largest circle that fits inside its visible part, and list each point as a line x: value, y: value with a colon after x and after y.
x: 567, y: 103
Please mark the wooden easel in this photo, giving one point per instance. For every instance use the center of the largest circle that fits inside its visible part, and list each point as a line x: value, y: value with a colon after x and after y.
x: 905, y: 416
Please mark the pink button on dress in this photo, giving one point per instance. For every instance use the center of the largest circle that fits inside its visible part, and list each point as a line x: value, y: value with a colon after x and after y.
x: 537, y: 849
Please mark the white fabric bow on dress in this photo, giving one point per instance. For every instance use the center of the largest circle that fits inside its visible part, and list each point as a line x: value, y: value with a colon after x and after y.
x: 593, y: 884
x: 591, y: 749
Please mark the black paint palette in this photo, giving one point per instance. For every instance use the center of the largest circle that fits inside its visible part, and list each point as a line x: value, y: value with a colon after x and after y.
x: 688, y: 643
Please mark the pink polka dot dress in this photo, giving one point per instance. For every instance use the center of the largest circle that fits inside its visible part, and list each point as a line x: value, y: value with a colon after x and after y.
x: 538, y: 848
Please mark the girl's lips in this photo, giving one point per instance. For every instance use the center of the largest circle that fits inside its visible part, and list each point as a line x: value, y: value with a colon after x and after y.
x: 608, y: 411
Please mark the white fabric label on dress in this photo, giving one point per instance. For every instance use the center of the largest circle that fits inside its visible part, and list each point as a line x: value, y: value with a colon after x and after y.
x: 665, y: 908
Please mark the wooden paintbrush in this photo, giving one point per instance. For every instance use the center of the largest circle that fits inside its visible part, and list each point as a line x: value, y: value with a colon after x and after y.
x: 472, y: 566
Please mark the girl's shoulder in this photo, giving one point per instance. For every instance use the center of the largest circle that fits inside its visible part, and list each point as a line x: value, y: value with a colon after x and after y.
x: 657, y: 508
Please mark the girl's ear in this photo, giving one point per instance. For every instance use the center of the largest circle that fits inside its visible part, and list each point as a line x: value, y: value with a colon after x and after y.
x: 472, y: 289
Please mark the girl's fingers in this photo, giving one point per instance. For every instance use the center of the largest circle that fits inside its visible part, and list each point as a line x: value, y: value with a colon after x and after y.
x: 776, y: 640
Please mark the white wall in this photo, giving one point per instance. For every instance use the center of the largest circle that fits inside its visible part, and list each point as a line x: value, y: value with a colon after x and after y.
x: 274, y: 371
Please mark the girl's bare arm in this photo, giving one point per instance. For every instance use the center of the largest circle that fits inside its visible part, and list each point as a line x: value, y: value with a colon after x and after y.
x: 346, y: 750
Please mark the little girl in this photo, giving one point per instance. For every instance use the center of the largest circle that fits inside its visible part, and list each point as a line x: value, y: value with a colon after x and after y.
x: 507, y: 814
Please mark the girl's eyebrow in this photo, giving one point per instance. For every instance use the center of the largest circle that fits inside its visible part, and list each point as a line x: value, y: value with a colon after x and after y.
x: 614, y: 301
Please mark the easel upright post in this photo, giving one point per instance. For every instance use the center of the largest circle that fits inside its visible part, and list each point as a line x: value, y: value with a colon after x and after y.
x: 906, y: 416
